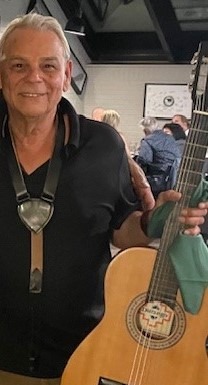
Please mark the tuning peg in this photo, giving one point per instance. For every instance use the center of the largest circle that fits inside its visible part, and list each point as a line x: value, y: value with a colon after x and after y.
x: 195, y: 58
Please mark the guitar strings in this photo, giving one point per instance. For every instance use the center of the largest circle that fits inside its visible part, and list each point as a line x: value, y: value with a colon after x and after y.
x: 198, y: 124
x: 140, y: 359
x: 172, y: 227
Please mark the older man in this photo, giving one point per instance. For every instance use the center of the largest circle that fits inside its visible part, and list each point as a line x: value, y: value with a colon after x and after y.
x: 65, y: 193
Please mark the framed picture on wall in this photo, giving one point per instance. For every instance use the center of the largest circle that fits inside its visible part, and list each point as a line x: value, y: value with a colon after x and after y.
x: 165, y: 100
x: 79, y: 75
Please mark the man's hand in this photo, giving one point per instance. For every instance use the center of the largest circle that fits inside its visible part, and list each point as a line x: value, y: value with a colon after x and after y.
x: 192, y: 217
x: 141, y: 185
x: 132, y: 234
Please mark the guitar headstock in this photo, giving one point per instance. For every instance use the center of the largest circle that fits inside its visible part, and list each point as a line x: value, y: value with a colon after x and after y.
x: 199, y: 75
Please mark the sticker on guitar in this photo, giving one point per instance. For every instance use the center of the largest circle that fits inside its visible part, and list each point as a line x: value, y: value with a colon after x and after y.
x: 155, y: 323
x: 156, y: 318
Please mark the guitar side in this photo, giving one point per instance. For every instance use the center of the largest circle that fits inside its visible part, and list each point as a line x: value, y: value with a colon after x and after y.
x: 108, y: 353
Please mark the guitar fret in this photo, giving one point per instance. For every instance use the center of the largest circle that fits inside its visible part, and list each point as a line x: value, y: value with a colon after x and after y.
x: 161, y: 295
x: 166, y: 281
x: 192, y: 145
x: 193, y: 172
x: 190, y: 185
x: 200, y: 112
x: 198, y: 130
x: 197, y: 160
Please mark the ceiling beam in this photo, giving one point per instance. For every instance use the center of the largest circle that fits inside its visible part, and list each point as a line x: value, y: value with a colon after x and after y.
x: 166, y: 25
x: 128, y: 47
x: 167, y: 44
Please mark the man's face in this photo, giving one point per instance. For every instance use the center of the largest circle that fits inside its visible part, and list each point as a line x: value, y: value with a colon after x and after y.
x: 177, y: 119
x: 97, y: 114
x: 34, y: 72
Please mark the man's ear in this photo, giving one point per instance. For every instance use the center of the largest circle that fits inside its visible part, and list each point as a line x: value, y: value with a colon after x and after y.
x: 67, y: 79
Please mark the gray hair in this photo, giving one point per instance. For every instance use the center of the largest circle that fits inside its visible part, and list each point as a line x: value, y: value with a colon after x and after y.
x: 149, y: 125
x: 39, y: 22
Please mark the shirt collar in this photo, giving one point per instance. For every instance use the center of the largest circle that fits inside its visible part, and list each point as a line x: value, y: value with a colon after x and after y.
x: 74, y: 121
x: 65, y: 108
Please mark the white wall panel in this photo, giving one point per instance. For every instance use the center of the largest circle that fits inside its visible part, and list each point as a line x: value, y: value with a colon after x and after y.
x: 121, y: 87
x: 9, y: 9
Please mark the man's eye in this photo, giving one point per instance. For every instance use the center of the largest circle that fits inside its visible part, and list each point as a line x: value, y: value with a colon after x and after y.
x: 49, y: 66
x: 17, y: 66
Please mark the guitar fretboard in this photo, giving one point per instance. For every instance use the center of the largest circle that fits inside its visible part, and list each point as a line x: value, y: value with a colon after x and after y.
x: 163, y: 285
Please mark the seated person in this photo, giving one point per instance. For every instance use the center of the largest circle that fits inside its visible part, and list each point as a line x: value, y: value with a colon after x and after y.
x: 158, y: 156
x: 141, y: 186
x: 178, y: 133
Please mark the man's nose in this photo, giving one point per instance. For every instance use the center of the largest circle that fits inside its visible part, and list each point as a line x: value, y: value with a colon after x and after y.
x: 35, y: 74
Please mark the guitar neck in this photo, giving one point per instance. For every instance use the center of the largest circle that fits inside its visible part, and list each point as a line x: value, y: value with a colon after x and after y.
x: 163, y: 286
x: 190, y: 171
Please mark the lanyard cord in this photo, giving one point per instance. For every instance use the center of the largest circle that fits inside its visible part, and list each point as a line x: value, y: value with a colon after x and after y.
x: 53, y: 172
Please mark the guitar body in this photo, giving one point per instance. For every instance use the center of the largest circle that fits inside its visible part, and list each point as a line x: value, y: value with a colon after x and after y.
x: 119, y: 351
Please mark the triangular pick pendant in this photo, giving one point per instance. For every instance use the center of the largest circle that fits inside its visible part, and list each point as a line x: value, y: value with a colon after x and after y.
x: 35, y: 214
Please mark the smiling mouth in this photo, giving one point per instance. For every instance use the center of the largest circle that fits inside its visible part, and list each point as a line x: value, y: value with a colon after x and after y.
x: 32, y: 95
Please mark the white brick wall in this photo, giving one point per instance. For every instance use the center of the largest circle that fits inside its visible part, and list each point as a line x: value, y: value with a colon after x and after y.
x: 121, y: 87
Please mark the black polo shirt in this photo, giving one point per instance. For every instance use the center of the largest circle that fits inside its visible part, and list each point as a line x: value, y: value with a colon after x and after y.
x: 94, y: 196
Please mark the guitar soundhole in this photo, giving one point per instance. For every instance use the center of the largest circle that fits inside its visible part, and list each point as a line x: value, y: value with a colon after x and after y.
x: 107, y: 381
x: 155, y: 324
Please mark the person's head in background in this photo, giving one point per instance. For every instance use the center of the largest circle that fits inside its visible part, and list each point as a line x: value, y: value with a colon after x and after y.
x: 148, y: 125
x: 97, y: 113
x: 111, y: 117
x: 175, y: 130
x: 183, y: 121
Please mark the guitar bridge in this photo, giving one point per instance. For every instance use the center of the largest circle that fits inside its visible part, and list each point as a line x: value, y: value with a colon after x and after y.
x: 108, y: 381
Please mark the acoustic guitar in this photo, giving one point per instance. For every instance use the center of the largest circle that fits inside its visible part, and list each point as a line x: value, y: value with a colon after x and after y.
x: 146, y: 337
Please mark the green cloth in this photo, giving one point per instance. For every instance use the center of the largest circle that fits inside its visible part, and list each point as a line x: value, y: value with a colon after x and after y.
x: 158, y: 219
x: 160, y: 215
x: 189, y: 254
